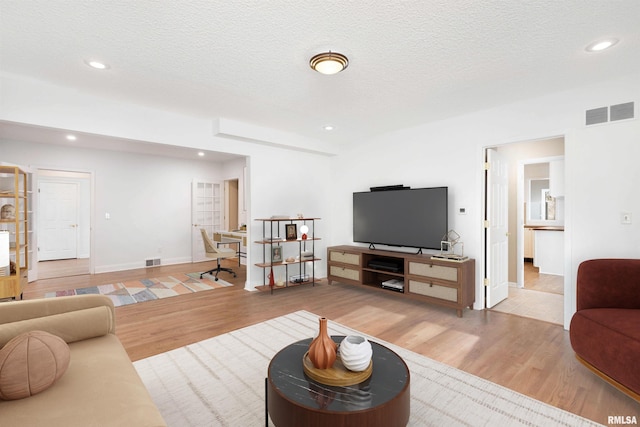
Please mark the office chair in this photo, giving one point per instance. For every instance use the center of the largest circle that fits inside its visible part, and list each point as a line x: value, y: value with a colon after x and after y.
x: 212, y: 251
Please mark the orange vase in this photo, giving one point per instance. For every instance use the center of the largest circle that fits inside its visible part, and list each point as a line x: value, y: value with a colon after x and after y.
x: 322, y: 350
x: 272, y: 281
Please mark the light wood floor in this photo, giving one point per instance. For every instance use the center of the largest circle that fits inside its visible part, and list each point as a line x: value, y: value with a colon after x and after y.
x: 532, y: 357
x: 541, y: 298
x: 542, y: 282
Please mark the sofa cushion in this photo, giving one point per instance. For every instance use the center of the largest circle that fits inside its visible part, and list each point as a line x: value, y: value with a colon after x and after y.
x: 30, y: 363
x: 72, y: 326
x: 100, y: 388
x: 609, y: 339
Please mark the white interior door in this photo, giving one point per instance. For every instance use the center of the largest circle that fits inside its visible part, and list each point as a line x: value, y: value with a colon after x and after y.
x: 497, y: 237
x: 206, y: 212
x: 58, y: 221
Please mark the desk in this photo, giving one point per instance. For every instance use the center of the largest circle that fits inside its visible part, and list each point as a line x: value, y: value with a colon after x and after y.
x: 238, y: 238
x: 294, y: 399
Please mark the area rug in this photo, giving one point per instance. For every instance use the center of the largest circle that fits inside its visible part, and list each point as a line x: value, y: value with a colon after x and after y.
x: 135, y: 291
x: 220, y: 382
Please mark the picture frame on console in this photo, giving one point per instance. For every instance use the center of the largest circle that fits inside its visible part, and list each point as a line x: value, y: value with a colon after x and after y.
x: 291, y: 231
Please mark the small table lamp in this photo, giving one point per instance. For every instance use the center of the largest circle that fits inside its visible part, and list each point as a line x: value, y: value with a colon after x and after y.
x: 304, y: 229
x: 4, y: 253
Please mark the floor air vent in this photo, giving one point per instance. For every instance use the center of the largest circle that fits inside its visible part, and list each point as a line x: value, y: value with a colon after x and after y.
x: 610, y: 114
x: 152, y: 262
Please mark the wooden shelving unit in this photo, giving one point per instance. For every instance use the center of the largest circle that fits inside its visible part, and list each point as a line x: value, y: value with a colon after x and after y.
x: 272, y: 231
x: 14, y: 191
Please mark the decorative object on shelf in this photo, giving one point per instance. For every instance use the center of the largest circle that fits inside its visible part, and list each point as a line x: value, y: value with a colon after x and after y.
x: 299, y: 278
x: 355, y: 353
x: 306, y: 255
x: 304, y: 230
x: 291, y: 231
x: 291, y: 259
x: 276, y: 254
x: 448, y: 244
x: 4, y: 253
x: 272, y: 281
x: 8, y: 211
x: 323, y: 350
x: 300, y: 216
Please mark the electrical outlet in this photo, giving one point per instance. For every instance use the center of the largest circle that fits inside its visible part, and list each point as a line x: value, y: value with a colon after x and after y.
x: 625, y: 218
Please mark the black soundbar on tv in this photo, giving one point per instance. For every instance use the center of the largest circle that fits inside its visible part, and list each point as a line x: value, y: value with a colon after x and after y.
x: 390, y: 187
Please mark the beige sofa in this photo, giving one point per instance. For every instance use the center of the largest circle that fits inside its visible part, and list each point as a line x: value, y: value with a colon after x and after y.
x: 100, y: 387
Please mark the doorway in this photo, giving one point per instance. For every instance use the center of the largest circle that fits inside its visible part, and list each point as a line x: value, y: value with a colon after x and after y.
x: 63, y: 227
x: 535, y: 291
x: 231, y: 208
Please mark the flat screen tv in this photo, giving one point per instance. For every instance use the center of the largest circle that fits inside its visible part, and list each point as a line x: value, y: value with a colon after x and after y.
x: 407, y: 217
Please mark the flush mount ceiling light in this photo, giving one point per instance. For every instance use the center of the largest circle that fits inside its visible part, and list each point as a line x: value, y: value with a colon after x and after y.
x: 329, y: 62
x: 601, y: 45
x: 71, y: 137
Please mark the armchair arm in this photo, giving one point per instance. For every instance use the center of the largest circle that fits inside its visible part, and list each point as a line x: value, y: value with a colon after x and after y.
x: 608, y: 283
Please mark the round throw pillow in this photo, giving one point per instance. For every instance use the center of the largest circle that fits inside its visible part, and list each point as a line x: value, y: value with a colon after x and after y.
x: 30, y: 363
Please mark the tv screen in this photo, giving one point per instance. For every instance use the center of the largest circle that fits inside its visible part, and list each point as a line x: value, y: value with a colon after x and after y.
x: 409, y: 217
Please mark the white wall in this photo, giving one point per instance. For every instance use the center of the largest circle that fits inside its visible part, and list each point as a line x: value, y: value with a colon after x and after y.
x: 450, y: 153
x: 280, y: 180
x: 285, y: 182
x: 148, y: 199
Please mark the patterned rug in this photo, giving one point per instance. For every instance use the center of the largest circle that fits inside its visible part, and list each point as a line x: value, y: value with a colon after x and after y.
x: 135, y: 291
x: 220, y: 382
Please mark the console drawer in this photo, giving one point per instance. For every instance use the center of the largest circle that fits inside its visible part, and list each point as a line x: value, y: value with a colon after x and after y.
x: 433, y: 270
x: 344, y: 257
x: 345, y: 273
x: 433, y: 290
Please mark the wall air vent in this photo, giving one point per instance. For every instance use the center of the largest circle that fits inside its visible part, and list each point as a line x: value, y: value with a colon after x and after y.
x: 610, y: 114
x: 597, y: 115
x: 152, y: 262
x: 621, y: 111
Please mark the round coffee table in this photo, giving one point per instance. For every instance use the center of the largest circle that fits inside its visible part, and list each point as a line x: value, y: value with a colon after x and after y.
x: 294, y: 399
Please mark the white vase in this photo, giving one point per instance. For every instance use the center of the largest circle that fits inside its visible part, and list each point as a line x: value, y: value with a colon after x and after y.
x: 355, y: 353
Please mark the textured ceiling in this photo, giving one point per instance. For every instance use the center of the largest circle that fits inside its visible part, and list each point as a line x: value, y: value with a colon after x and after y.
x: 411, y: 62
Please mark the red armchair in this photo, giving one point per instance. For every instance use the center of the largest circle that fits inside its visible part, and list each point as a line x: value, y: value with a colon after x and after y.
x: 605, y: 330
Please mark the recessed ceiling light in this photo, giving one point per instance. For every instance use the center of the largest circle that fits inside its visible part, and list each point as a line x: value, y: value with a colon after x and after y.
x: 71, y: 137
x: 201, y: 153
x: 601, y: 45
x: 328, y: 127
x: 97, y: 64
